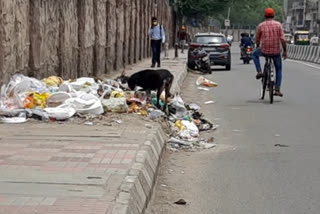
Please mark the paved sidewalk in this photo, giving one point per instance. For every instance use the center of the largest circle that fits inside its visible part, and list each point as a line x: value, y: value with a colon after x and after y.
x: 72, y: 168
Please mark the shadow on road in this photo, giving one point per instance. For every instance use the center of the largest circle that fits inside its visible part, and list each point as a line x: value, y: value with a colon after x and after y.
x: 263, y: 101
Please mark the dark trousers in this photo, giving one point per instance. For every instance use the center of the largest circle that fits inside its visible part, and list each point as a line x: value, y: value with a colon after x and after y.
x: 156, y: 51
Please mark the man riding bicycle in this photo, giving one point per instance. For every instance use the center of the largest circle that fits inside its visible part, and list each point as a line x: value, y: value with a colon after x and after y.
x: 269, y: 36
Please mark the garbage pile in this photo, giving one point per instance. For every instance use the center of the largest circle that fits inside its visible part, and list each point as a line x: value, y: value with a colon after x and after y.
x: 186, y: 123
x: 55, y: 99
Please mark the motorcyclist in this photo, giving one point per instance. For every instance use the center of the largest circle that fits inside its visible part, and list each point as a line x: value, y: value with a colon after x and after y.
x: 269, y: 36
x: 245, y: 42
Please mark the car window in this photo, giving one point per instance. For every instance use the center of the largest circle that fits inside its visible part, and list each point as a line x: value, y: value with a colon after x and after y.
x: 209, y: 39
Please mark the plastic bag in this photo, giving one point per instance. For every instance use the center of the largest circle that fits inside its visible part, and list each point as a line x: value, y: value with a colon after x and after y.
x: 179, y: 125
x: 85, y: 84
x: 178, y: 104
x: 21, y: 84
x: 155, y: 114
x: 57, y: 99
x: 62, y: 112
x: 117, y: 94
x: 36, y: 99
x: 191, y: 128
x: 134, y: 108
x: 86, y: 103
x: 117, y: 105
x: 205, y: 82
x: 53, y: 81
x: 13, y: 120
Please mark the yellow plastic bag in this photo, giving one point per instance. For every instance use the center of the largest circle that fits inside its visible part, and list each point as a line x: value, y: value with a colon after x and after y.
x: 36, y: 99
x: 179, y: 125
x: 53, y: 81
x: 134, y: 108
x: 117, y: 94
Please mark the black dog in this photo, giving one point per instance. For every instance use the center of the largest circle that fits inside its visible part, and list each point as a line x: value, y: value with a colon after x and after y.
x: 151, y: 80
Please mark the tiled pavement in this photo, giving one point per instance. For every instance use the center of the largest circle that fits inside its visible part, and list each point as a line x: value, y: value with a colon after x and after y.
x: 77, y: 169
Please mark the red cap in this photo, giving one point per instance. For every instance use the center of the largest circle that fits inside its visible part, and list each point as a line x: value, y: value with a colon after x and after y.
x: 269, y: 12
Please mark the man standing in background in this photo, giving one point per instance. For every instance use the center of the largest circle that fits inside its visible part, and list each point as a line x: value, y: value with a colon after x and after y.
x: 158, y: 37
x: 182, y: 35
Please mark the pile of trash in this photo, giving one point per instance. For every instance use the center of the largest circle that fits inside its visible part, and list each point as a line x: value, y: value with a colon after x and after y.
x: 186, y: 122
x: 55, y: 99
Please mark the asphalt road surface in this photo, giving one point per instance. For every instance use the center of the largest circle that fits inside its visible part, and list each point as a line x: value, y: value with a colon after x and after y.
x: 246, y: 173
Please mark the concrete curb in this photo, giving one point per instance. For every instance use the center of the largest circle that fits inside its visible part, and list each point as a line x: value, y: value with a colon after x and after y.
x: 137, y: 189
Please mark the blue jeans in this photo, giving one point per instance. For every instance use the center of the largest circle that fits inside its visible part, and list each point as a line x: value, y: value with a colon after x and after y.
x: 277, y: 63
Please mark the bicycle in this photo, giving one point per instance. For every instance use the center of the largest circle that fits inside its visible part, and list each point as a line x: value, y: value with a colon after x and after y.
x: 268, y: 79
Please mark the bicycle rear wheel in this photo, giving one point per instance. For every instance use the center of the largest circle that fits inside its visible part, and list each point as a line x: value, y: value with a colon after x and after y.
x: 271, y: 83
x: 263, y: 85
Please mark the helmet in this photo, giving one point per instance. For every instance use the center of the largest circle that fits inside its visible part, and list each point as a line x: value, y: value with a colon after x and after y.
x: 269, y: 13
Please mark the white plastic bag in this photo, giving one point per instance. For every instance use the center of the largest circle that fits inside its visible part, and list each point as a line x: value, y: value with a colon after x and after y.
x: 178, y: 104
x: 57, y: 99
x: 117, y: 105
x: 86, y: 103
x: 62, y: 112
x: 191, y: 128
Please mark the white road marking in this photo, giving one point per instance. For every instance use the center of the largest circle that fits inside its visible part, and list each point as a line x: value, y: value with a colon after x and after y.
x: 307, y: 64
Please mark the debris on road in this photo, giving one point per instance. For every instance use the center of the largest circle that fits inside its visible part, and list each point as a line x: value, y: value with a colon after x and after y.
x: 209, y: 102
x: 181, y: 202
x: 281, y: 145
x: 204, y: 89
x: 186, y: 123
x: 205, y: 82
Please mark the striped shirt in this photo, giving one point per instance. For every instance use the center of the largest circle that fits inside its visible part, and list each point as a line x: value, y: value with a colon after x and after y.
x: 269, y: 35
x: 156, y: 34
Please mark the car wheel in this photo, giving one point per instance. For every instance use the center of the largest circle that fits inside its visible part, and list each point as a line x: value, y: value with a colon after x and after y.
x: 228, y: 67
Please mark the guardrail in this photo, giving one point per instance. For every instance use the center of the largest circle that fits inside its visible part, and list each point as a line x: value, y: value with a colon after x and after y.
x: 304, y: 53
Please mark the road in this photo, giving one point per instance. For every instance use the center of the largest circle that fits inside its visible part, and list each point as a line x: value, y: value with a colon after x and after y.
x: 247, y: 173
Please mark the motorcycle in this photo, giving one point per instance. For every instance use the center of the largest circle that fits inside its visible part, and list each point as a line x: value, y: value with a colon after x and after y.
x: 200, y: 61
x: 247, y: 55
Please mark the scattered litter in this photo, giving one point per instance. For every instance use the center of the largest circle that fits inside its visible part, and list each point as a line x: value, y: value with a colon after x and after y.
x: 181, y: 202
x: 117, y: 121
x: 155, y: 114
x: 194, y: 106
x: 209, y: 102
x: 13, y: 120
x: 277, y: 135
x: 164, y: 185
x: 88, y: 123
x: 281, y: 145
x: 204, y: 89
x: 207, y: 145
x: 149, y: 126
x: 210, y: 140
x: 205, y: 82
